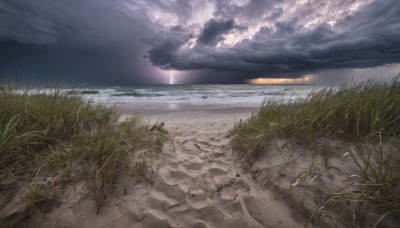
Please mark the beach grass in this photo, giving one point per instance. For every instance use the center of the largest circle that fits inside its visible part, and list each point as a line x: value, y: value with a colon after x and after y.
x: 361, y: 114
x: 351, y: 111
x: 44, y: 131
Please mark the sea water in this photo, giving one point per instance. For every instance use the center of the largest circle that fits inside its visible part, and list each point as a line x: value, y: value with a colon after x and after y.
x: 193, y: 97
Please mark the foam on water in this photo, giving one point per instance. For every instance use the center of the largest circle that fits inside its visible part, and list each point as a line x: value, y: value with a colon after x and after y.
x: 176, y: 96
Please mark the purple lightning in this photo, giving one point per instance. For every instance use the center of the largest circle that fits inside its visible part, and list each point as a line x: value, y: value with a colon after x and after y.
x: 172, y: 80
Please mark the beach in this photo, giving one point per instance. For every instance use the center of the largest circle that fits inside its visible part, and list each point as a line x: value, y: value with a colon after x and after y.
x: 203, y: 114
x: 197, y: 181
x: 199, y: 163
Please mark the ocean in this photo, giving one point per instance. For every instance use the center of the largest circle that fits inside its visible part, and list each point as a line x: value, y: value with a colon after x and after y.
x: 159, y: 98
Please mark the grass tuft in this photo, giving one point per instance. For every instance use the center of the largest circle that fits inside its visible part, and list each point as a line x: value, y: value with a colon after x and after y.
x: 364, y: 114
x: 48, y: 131
x: 352, y: 111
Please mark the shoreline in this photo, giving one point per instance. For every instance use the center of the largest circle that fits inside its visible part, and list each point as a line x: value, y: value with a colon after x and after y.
x: 202, y: 115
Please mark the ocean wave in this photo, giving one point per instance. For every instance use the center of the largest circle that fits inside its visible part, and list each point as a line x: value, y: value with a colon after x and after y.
x: 136, y: 94
x: 230, y: 95
x: 82, y: 92
x: 130, y: 94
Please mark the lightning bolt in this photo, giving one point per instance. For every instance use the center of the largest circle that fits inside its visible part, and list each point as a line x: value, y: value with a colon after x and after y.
x: 171, y: 80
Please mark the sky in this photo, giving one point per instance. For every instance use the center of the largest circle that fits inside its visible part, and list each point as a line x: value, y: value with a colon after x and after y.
x: 200, y: 41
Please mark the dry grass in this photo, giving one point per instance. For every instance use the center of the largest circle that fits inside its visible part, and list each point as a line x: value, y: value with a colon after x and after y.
x: 46, y: 130
x: 364, y: 114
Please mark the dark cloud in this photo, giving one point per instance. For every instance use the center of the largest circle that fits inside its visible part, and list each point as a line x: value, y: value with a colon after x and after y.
x: 165, y: 47
x: 100, y: 40
x: 367, y: 38
x: 72, y: 22
x: 214, y: 30
x: 124, y: 41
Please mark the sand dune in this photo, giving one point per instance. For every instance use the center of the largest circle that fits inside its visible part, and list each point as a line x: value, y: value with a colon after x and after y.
x: 197, y: 181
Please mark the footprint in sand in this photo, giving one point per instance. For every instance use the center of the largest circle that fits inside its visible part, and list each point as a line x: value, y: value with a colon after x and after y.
x: 195, y: 185
x: 201, y: 183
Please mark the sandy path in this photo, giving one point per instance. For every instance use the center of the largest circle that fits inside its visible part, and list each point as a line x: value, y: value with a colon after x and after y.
x: 196, y: 182
x: 198, y: 185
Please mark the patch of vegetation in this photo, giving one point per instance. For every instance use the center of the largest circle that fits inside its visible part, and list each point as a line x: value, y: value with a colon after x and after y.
x: 363, y: 113
x: 379, y: 193
x: 352, y: 111
x: 47, y: 131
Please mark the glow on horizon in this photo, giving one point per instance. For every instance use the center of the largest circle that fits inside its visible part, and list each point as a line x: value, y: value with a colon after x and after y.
x: 305, y: 79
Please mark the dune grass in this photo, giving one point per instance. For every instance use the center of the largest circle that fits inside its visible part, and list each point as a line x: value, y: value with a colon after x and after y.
x: 362, y: 113
x: 43, y: 131
x: 352, y: 111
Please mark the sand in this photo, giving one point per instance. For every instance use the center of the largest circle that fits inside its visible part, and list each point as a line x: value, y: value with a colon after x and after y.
x: 197, y: 181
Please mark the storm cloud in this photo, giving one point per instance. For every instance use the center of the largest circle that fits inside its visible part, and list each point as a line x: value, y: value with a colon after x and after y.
x: 102, y: 41
x: 213, y: 31
x: 368, y: 37
x: 126, y: 41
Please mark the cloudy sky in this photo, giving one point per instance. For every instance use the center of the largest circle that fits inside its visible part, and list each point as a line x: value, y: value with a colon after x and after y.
x: 199, y: 41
